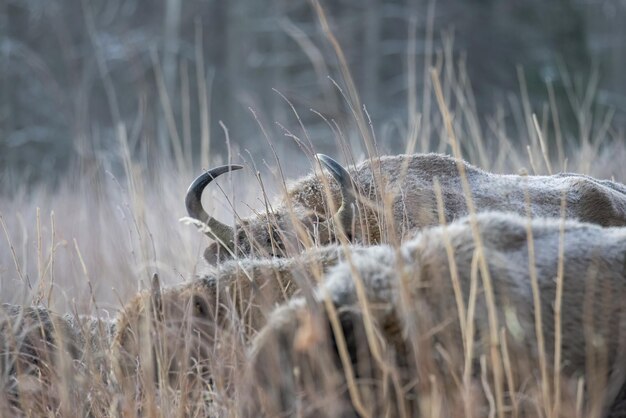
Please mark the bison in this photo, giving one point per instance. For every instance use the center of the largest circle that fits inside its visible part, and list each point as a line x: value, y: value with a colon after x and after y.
x: 46, y: 358
x: 495, y: 314
x: 387, y: 197
x: 171, y: 335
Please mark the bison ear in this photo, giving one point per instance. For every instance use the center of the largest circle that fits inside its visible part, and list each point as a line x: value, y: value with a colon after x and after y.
x: 155, y: 297
x: 212, y: 253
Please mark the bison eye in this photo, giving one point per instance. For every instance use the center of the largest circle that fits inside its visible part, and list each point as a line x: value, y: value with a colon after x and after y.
x: 200, y: 307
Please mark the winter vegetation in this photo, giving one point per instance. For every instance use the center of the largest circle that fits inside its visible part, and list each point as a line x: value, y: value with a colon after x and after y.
x: 382, y: 281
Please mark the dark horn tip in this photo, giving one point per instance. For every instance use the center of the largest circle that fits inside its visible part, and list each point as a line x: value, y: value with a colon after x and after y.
x: 211, y: 174
x: 336, y: 169
x: 325, y: 159
x: 194, y: 192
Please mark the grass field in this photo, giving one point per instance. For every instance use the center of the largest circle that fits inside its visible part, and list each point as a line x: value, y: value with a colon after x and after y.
x: 89, y: 245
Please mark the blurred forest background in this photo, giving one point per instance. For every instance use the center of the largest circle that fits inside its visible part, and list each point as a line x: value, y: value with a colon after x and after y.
x: 73, y: 73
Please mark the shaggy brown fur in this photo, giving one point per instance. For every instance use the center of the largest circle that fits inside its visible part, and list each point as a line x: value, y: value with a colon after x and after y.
x: 419, y: 360
x: 39, y: 349
x: 174, y: 331
x: 396, y: 193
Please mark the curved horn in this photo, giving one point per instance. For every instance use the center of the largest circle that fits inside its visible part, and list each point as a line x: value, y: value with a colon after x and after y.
x: 345, y: 212
x: 222, y: 232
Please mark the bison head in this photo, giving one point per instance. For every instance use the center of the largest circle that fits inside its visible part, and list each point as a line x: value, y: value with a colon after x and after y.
x: 165, y: 336
x: 274, y: 233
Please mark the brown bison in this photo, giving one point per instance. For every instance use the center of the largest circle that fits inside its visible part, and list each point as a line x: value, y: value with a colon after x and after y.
x: 513, y: 317
x: 387, y: 197
x: 186, y: 331
x: 50, y: 362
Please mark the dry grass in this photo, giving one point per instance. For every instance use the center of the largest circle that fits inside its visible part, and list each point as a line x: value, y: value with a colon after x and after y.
x: 88, y: 246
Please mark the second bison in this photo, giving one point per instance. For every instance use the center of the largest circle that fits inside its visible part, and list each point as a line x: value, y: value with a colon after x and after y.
x: 504, y: 315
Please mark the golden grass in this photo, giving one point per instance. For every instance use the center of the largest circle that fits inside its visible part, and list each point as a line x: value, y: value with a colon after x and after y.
x: 96, y: 240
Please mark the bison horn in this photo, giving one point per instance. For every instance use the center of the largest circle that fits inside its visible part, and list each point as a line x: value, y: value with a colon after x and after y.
x: 345, y: 212
x: 156, y: 299
x: 219, y: 231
